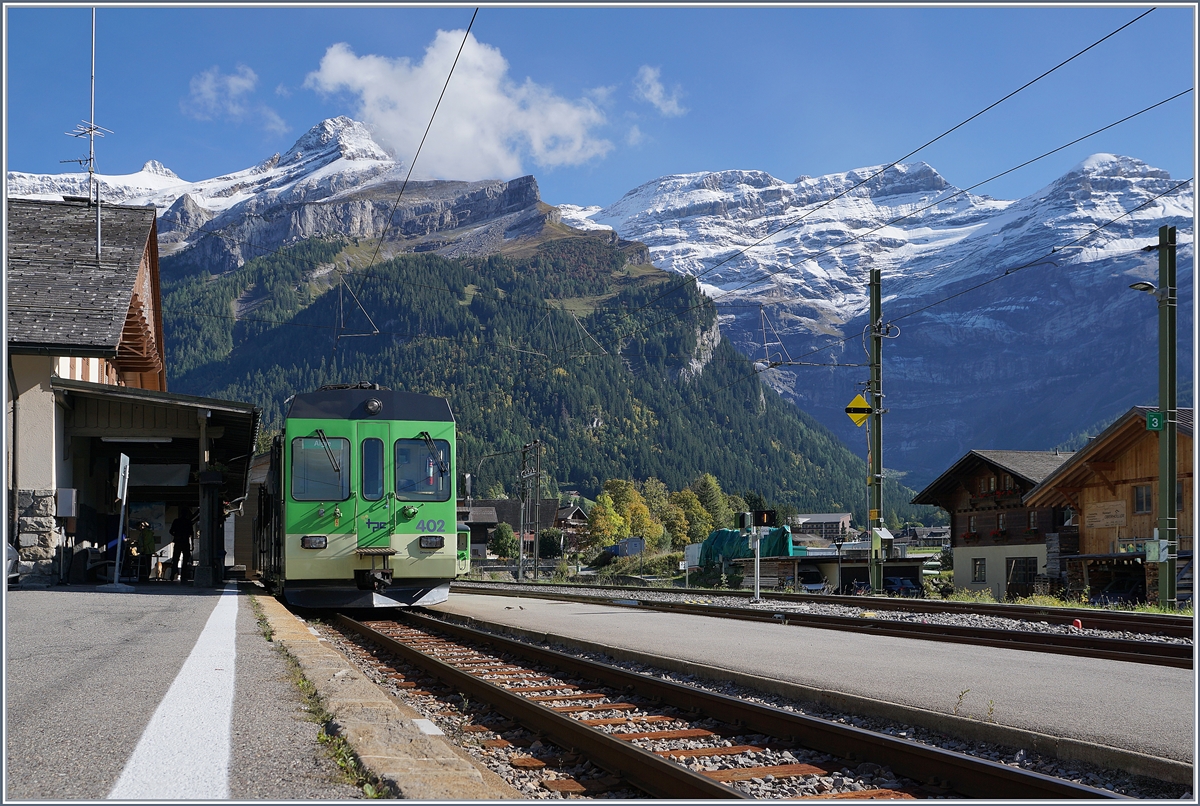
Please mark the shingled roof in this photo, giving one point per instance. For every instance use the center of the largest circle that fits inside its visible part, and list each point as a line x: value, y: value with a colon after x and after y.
x: 1029, y: 466
x: 60, y: 300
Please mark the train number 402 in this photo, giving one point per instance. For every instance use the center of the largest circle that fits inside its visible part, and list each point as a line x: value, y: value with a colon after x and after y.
x: 431, y: 526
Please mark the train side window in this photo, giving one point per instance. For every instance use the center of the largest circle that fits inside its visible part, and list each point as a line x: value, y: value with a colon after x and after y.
x: 320, y: 469
x: 420, y: 474
x: 372, y: 469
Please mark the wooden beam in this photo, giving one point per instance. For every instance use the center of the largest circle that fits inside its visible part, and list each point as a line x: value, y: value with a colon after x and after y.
x: 1111, y: 487
x: 1069, y: 494
x: 1098, y: 466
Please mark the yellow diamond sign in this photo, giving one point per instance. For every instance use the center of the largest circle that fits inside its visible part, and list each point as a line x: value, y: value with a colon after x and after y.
x: 858, y: 410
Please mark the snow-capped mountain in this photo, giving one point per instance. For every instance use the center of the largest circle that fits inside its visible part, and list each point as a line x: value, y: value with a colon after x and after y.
x: 1020, y: 363
x: 334, y: 180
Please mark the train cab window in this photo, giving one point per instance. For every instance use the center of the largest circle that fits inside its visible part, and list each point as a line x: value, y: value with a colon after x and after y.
x: 422, y: 474
x: 320, y: 468
x: 372, y: 469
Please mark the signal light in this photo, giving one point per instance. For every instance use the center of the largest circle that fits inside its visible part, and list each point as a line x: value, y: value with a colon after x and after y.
x: 432, y: 541
x: 314, y: 542
x: 764, y: 517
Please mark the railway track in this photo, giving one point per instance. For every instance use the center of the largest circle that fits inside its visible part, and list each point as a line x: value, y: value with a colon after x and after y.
x: 1101, y: 619
x: 1178, y: 655
x: 662, y: 737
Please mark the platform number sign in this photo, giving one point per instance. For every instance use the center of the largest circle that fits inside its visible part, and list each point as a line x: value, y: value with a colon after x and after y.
x: 1155, y: 421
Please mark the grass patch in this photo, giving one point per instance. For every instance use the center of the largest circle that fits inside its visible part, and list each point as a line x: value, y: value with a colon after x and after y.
x: 336, y: 748
x: 259, y: 616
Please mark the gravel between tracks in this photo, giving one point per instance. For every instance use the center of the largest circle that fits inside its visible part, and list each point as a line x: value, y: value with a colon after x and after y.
x: 845, y: 780
x: 823, y: 609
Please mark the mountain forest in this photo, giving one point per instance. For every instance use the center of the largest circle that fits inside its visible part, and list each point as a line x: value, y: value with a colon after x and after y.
x: 569, y: 339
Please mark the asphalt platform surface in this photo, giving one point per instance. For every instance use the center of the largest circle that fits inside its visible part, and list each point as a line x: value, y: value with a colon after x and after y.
x: 1132, y: 706
x: 86, y: 672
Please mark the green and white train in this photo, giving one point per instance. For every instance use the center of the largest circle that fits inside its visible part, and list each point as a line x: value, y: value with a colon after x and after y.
x: 359, y: 506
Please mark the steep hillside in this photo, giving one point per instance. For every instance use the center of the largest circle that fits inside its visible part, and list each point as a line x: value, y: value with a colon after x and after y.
x: 1020, y: 363
x: 506, y: 340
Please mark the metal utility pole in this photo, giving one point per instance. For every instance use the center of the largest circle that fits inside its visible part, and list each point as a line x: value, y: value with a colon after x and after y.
x: 537, y: 507
x: 875, y: 434
x: 527, y: 476
x: 1167, y: 525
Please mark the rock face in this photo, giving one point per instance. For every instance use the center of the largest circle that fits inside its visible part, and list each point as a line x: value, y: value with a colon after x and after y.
x: 334, y: 180
x: 1051, y: 349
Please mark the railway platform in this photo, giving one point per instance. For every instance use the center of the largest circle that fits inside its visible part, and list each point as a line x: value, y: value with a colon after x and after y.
x: 1116, y: 714
x: 174, y: 693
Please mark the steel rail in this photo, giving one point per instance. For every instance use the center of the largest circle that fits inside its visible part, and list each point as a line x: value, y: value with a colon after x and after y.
x: 964, y: 774
x: 1157, y: 653
x: 1116, y: 620
x: 641, y: 768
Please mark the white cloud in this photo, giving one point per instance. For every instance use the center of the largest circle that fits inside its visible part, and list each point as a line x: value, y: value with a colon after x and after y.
x: 635, y: 136
x: 648, y: 87
x: 214, y: 95
x: 486, y: 123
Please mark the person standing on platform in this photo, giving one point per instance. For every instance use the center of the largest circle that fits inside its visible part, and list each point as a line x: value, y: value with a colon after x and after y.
x: 146, y: 546
x: 181, y: 530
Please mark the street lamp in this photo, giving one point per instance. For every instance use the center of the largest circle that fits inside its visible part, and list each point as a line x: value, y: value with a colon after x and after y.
x: 1165, y: 423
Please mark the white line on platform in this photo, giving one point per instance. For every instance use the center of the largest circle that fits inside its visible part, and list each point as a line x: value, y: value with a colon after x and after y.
x: 184, y: 751
x: 426, y: 726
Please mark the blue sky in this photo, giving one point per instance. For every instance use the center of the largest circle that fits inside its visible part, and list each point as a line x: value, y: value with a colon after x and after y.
x: 596, y: 101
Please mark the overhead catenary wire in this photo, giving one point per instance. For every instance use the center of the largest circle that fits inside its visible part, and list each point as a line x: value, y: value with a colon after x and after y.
x: 411, y: 166
x: 892, y: 164
x: 1039, y: 261
x: 589, y: 336
x: 897, y: 219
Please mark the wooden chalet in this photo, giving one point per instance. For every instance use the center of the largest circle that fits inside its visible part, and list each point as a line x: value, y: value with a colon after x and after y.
x: 998, y: 539
x: 1112, y: 484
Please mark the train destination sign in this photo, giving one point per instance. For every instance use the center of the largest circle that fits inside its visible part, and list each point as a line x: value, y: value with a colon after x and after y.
x: 858, y: 410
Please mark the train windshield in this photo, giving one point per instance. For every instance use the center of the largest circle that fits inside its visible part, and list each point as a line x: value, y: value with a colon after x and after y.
x: 422, y: 470
x: 320, y: 469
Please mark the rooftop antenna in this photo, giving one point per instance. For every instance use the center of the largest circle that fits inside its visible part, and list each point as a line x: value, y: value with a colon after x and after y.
x: 91, y: 131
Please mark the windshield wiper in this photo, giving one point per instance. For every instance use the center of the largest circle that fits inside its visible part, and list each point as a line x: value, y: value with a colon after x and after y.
x: 328, y: 450
x: 441, y: 463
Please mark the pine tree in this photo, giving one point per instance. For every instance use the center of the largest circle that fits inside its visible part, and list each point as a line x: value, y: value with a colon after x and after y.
x: 708, y: 490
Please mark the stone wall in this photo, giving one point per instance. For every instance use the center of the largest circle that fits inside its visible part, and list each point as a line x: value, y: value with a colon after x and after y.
x: 38, y: 536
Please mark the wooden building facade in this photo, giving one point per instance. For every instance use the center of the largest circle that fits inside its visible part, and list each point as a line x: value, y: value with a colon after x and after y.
x: 998, y: 540
x: 1113, y: 484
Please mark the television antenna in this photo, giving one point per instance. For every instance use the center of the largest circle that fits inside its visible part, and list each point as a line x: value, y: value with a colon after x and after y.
x: 89, y: 129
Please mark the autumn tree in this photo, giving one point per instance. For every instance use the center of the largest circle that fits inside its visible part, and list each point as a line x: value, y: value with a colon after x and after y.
x: 605, y: 525
x: 699, y: 522
x: 675, y: 525
x: 656, y: 496
x: 641, y: 524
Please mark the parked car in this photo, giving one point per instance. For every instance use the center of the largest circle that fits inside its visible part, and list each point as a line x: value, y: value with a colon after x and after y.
x: 900, y: 586
x: 13, y: 562
x: 1123, y: 590
x: 810, y: 580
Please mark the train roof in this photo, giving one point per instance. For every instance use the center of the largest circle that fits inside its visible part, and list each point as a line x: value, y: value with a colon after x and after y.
x: 351, y: 404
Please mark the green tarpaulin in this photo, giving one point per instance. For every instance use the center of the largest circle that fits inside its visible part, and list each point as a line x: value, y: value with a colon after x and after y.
x: 733, y: 544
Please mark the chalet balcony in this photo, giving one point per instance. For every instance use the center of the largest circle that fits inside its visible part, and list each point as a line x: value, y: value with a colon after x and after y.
x: 995, y: 498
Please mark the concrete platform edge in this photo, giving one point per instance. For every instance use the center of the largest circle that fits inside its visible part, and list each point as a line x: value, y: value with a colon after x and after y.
x: 416, y: 765
x: 1059, y: 747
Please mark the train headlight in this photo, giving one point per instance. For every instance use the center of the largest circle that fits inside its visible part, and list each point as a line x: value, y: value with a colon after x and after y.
x: 314, y: 542
x: 432, y: 541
